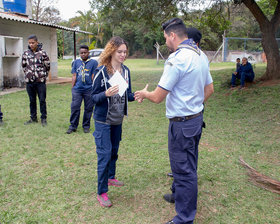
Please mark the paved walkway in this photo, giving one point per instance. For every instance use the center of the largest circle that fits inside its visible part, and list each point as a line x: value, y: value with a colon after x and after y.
x: 59, y: 80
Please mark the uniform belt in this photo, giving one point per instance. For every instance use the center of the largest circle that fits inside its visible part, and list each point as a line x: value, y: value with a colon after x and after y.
x: 180, y: 119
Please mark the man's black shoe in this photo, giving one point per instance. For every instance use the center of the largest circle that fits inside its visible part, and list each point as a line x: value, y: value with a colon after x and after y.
x: 169, y: 198
x: 86, y: 130
x: 69, y: 131
x: 170, y: 174
x: 31, y: 121
x: 44, y: 122
x: 170, y: 222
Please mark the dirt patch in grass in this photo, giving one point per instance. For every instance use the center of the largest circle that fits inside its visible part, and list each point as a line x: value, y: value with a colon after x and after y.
x: 209, y: 147
x: 270, y: 83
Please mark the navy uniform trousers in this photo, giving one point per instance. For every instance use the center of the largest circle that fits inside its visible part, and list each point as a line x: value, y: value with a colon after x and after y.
x: 107, y: 141
x: 183, y: 140
x: 77, y: 98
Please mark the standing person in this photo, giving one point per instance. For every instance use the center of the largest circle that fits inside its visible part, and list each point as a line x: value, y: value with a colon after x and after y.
x: 244, y: 73
x: 82, y: 76
x: 36, y: 66
x: 186, y: 83
x: 194, y: 34
x: 1, y: 117
x: 109, y: 111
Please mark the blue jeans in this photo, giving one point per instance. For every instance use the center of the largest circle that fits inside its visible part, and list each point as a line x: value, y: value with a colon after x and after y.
x: 183, y: 140
x: 248, y: 77
x: 77, y: 98
x: 107, y: 140
x: 33, y: 89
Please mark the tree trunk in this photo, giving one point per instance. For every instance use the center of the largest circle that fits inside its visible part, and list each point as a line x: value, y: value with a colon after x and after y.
x: 270, y: 47
x: 269, y: 42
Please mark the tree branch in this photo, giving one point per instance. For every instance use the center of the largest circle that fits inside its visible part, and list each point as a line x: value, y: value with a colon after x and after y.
x: 257, y: 12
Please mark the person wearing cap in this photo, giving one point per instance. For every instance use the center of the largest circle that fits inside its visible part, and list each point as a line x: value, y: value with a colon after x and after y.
x: 36, y: 66
x: 194, y: 34
x: 186, y: 83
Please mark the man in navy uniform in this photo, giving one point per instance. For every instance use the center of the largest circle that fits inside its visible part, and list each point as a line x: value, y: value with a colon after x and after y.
x: 186, y: 83
x: 82, y: 76
x: 194, y: 34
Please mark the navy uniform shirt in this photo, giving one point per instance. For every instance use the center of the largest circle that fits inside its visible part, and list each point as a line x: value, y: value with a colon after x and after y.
x: 84, y: 71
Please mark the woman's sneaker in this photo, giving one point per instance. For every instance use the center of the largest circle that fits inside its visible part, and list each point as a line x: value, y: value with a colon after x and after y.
x: 115, y: 182
x: 104, y: 200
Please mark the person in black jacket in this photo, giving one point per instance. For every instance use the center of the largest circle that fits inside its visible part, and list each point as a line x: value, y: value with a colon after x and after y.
x: 110, y: 108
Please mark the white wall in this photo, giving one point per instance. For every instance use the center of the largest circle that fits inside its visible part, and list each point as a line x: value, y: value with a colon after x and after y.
x: 46, y: 35
x: 10, y: 62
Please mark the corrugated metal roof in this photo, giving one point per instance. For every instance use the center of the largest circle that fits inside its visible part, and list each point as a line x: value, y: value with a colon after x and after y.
x: 24, y: 19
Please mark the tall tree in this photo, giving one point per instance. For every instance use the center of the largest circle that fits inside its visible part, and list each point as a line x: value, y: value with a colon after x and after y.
x: 268, y: 28
x: 86, y: 20
x: 42, y: 8
x: 135, y: 19
x: 51, y: 15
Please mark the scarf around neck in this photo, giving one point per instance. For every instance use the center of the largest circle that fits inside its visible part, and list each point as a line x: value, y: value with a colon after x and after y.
x: 189, y: 44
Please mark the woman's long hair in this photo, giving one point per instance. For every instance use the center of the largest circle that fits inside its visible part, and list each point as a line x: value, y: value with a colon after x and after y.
x: 106, y: 56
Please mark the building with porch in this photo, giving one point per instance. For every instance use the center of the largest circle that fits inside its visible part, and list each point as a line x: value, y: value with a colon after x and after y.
x: 14, y: 30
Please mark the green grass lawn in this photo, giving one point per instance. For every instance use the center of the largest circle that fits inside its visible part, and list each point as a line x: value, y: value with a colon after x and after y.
x: 47, y: 176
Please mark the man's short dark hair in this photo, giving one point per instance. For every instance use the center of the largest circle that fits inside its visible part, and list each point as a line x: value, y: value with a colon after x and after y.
x: 84, y: 47
x: 175, y: 25
x: 194, y: 34
x: 238, y: 59
x: 33, y: 37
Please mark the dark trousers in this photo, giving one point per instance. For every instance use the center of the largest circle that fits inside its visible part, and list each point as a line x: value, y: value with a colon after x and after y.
x: 33, y: 89
x: 1, y: 114
x: 243, y: 76
x: 77, y: 98
x: 107, y: 140
x: 183, y: 140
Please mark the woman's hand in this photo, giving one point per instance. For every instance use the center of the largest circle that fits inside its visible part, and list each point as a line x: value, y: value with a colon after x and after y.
x: 112, y: 91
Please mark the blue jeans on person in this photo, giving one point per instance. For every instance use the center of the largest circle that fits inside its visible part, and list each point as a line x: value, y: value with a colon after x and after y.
x: 183, y: 140
x: 1, y: 114
x: 33, y: 89
x: 107, y: 141
x: 248, y: 77
x: 77, y: 98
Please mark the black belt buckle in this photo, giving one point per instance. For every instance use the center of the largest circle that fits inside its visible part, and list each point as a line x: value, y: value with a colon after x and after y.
x: 182, y: 119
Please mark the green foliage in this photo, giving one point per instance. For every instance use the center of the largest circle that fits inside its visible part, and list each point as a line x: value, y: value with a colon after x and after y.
x: 268, y: 7
x: 92, y: 45
x: 139, y: 22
